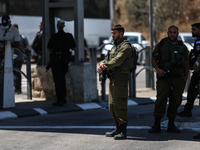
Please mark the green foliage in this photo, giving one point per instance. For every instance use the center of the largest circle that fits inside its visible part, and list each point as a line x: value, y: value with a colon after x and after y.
x: 138, y: 10
x: 166, y: 13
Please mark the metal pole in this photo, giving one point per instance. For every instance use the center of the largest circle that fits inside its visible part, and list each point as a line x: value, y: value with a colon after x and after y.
x: 28, y: 73
x: 79, y: 29
x: 46, y: 32
x: 147, y: 63
x: 132, y: 85
x: 151, y: 73
x: 151, y: 22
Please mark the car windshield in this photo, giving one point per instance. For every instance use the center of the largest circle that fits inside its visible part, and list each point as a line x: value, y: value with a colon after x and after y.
x: 189, y: 39
x: 132, y: 39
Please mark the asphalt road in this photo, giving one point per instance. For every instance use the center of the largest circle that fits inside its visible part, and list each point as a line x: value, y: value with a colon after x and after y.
x: 85, y: 130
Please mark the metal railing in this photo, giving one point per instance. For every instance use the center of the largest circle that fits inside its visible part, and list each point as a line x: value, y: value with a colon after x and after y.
x: 28, y: 71
x: 132, y: 81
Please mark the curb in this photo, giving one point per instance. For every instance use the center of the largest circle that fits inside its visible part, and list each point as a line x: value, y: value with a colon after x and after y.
x: 18, y: 113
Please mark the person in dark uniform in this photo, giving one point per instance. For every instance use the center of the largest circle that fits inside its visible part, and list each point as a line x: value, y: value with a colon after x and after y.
x: 193, y: 87
x: 171, y: 54
x: 118, y: 69
x: 37, y: 45
x: 58, y: 46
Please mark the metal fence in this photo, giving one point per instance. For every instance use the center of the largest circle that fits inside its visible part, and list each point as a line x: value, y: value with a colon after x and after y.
x: 27, y: 56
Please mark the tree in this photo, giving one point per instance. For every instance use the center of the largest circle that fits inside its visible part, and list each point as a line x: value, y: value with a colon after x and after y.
x: 138, y: 11
x: 181, y: 13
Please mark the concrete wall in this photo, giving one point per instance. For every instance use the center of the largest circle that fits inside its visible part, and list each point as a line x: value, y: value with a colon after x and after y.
x: 81, y: 83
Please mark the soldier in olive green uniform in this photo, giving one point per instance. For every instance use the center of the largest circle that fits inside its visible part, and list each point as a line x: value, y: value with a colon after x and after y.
x: 118, y: 69
x: 173, y: 55
x: 196, y: 67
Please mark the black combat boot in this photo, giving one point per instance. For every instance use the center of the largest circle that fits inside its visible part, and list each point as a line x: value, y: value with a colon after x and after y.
x: 156, y: 126
x: 184, y: 114
x: 114, y: 132
x: 171, y: 126
x: 122, y: 134
x: 196, y: 136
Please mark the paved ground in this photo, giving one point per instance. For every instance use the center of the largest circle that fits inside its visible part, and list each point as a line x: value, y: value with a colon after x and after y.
x: 36, y: 106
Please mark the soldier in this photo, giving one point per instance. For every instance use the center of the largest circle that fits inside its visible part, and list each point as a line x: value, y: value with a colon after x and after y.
x: 118, y: 69
x: 192, y: 90
x: 170, y: 60
x: 196, y: 68
x: 37, y: 45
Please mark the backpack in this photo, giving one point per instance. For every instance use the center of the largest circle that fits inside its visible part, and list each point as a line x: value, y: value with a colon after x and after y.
x: 130, y: 63
x: 134, y: 56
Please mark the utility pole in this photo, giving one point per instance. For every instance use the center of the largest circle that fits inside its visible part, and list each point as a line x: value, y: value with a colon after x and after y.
x: 151, y: 73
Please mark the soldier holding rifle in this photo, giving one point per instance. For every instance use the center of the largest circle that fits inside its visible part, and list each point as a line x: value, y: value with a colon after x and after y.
x: 193, y: 86
x: 170, y: 60
x: 118, y: 68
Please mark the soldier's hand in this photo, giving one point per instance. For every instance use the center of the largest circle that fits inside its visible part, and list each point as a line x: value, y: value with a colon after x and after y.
x: 160, y: 72
x: 101, y: 67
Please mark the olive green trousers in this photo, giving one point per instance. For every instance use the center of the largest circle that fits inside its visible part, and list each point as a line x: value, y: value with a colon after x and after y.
x: 164, y: 93
x: 118, y: 97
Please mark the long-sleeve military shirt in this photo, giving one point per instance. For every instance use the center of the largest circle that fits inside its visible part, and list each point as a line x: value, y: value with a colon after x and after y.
x: 118, y: 54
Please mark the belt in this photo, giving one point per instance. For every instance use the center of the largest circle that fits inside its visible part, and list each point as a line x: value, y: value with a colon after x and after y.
x: 119, y: 76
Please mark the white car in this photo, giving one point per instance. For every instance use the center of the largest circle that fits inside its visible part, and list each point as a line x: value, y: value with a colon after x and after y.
x: 135, y: 38
x: 186, y: 37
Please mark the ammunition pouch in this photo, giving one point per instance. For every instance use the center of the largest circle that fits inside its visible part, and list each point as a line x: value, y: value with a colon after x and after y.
x: 177, y: 57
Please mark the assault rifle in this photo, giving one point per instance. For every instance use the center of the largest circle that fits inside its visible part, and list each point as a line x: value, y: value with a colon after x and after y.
x: 103, y: 74
x: 166, y: 70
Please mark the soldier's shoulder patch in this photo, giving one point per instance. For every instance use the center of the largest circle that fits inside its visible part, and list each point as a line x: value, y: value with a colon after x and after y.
x: 197, y: 63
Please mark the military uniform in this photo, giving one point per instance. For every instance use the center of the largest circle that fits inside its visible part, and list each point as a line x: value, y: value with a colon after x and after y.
x: 192, y: 89
x: 196, y: 75
x: 173, y: 57
x: 118, y: 70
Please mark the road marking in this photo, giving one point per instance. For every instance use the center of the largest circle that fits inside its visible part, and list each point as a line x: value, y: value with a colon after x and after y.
x: 89, y: 106
x: 7, y: 115
x: 131, y: 102
x: 41, y: 111
x: 71, y: 127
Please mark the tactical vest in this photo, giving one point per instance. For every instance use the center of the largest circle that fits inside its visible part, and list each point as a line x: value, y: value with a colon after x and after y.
x: 174, y: 56
x: 194, y: 53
